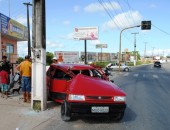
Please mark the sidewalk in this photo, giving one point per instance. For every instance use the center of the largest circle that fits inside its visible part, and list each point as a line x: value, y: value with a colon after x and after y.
x: 17, y: 115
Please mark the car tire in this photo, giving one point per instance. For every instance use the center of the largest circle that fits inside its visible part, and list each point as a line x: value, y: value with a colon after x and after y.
x: 118, y: 116
x: 126, y: 69
x: 65, y: 112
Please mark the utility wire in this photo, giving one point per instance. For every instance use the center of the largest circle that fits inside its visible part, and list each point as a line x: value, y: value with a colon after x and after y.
x: 109, y: 13
x: 100, y: 1
x: 161, y: 30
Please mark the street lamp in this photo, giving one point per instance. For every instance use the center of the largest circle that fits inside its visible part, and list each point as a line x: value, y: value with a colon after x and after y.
x: 28, y: 25
x: 120, y: 41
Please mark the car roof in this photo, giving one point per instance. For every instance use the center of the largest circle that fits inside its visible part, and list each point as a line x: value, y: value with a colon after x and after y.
x: 73, y: 66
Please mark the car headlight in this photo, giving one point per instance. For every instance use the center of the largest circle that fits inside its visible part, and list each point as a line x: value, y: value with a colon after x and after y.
x: 119, y: 98
x: 76, y: 97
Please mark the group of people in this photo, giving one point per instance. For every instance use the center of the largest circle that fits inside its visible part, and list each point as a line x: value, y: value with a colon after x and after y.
x: 25, y: 72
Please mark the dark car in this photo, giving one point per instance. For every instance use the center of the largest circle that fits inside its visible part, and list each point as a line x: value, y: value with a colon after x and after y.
x: 157, y: 64
x: 84, y: 89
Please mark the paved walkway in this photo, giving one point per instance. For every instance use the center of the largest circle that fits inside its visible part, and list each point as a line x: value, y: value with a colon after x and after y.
x: 17, y: 115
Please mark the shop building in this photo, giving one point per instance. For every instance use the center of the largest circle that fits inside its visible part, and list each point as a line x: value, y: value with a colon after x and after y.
x: 11, y: 32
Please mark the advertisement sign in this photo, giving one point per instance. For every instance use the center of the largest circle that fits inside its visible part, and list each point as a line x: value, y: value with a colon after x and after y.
x: 67, y: 56
x: 91, y: 56
x: 104, y: 56
x: 13, y: 28
x: 113, y: 56
x: 101, y: 45
x: 86, y: 33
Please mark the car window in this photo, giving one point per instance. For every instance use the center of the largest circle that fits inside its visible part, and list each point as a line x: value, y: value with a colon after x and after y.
x: 96, y: 74
x: 85, y: 72
x: 59, y: 74
x: 76, y: 72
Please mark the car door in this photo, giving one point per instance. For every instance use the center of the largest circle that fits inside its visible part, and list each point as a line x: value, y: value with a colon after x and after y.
x: 57, y: 83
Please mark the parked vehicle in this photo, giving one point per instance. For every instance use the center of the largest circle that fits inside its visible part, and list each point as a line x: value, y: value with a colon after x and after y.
x: 83, y: 89
x: 157, y: 64
x: 115, y: 67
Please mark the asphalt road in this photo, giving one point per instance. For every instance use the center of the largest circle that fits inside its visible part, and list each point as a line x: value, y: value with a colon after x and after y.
x: 148, y: 103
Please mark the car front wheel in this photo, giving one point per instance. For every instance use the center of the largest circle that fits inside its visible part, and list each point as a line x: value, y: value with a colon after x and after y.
x: 118, y: 116
x: 126, y: 69
x: 65, y: 112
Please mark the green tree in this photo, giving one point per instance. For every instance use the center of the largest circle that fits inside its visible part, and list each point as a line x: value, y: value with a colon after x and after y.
x: 49, y: 56
x: 19, y: 60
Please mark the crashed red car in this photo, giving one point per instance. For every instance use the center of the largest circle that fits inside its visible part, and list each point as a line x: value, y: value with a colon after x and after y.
x: 84, y: 89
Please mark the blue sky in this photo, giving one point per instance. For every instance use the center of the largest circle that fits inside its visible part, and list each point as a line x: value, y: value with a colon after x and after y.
x: 62, y: 16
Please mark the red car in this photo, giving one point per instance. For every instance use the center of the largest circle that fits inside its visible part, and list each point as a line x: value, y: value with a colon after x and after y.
x: 84, y: 89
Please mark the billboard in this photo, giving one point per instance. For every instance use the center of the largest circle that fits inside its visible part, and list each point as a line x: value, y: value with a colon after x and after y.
x: 13, y: 28
x: 67, y: 56
x: 86, y: 33
x: 114, y: 56
x: 104, y: 56
x: 101, y: 45
x: 91, y: 56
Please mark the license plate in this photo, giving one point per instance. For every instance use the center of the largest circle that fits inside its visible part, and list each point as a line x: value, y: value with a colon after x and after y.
x: 100, y: 109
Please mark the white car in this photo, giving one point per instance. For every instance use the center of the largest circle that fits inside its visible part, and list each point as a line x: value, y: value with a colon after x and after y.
x: 115, y: 66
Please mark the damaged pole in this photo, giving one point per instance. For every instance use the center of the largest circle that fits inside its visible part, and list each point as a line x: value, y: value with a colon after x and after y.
x: 39, y: 91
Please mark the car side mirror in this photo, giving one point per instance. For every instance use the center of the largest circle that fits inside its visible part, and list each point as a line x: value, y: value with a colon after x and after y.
x: 112, y: 81
x: 107, y: 72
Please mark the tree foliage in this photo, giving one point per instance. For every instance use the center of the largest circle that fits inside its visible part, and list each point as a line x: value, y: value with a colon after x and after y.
x: 19, y: 60
x: 49, y: 56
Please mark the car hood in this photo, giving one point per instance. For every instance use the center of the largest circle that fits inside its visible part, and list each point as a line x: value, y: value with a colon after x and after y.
x: 85, y: 85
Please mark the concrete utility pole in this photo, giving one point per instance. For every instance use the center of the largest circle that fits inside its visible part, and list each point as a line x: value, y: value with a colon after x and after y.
x: 145, y: 50
x: 135, y: 48
x: 28, y: 25
x: 153, y: 52
x: 39, y: 90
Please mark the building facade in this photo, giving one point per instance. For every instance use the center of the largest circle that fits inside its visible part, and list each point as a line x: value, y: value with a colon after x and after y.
x: 11, y: 31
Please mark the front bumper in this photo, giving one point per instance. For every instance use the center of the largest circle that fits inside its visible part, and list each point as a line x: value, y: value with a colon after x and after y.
x: 85, y: 108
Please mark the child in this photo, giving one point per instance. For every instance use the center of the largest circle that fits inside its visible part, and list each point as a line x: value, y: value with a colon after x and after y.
x: 4, y: 82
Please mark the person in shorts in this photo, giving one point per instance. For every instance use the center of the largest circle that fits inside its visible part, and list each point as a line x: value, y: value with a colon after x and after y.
x: 25, y: 71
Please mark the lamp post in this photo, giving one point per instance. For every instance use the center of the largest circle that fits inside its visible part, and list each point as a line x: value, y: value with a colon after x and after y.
x: 28, y: 25
x: 121, y: 43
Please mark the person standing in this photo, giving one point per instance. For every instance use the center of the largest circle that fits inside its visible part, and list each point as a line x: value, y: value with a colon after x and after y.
x: 54, y: 60
x: 25, y: 72
x: 6, y: 66
x: 4, y: 82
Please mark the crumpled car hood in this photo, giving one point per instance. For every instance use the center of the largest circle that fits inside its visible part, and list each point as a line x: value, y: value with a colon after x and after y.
x: 85, y: 85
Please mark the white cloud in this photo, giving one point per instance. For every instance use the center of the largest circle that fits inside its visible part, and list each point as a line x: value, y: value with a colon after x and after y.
x: 158, y: 52
x: 95, y: 7
x: 67, y: 37
x: 66, y: 22
x: 94, y: 42
x: 76, y: 8
x: 23, y: 20
x: 53, y: 45
x: 123, y: 20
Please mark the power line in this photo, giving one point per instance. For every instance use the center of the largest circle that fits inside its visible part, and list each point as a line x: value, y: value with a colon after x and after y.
x: 100, y: 1
x: 110, y: 15
x: 161, y: 30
